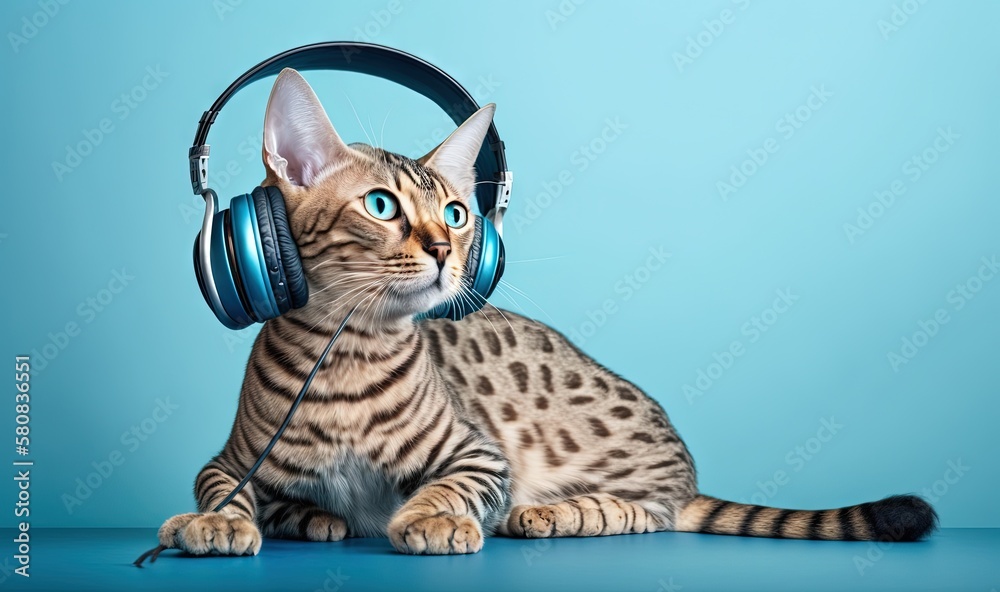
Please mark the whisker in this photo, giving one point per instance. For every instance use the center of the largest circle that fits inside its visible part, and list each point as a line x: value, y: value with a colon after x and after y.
x: 372, y: 318
x: 321, y: 264
x: 372, y: 264
x: 377, y: 317
x: 335, y: 309
x: 519, y: 291
x: 503, y: 316
x: 351, y: 274
x: 341, y: 282
x: 372, y: 127
x: 362, y: 285
x: 503, y: 292
x: 468, y: 294
x: 539, y: 259
x: 358, y: 117
x: 349, y: 294
x: 382, y: 135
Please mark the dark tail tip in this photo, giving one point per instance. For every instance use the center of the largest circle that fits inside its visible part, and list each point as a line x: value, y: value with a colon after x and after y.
x: 901, y: 518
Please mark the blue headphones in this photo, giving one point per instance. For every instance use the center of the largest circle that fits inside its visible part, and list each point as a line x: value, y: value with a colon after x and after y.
x: 245, y: 258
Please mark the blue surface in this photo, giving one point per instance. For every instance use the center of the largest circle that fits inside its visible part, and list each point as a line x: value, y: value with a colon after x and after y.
x: 100, y: 559
x: 617, y: 153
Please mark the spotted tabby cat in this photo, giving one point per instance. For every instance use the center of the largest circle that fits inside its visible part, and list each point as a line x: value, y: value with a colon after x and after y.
x: 438, y: 433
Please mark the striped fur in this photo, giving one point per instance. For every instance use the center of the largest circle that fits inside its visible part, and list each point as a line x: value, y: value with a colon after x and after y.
x: 439, y: 433
x: 897, y: 518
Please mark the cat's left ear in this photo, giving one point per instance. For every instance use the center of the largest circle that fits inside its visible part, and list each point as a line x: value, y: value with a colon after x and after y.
x: 299, y: 140
x: 455, y: 158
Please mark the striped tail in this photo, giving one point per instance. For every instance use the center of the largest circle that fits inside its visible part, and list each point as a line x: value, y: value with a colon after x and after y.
x: 896, y: 518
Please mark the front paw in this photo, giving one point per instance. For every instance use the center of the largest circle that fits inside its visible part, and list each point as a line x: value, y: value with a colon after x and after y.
x: 201, y: 534
x: 325, y: 527
x: 443, y: 534
x: 533, y: 521
x: 556, y: 520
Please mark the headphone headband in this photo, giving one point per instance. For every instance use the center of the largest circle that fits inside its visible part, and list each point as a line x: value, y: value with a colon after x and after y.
x: 390, y: 64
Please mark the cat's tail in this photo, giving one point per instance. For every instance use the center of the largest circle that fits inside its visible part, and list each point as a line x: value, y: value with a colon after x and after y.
x: 897, y: 518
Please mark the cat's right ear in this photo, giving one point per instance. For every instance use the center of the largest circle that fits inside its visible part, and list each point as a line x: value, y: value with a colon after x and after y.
x: 299, y: 140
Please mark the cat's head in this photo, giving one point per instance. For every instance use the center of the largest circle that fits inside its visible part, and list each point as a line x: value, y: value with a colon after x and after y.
x: 372, y: 226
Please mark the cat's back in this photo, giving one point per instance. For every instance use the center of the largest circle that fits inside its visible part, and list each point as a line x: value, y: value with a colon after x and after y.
x: 493, y: 352
x: 500, y: 355
x: 521, y: 372
x: 566, y: 423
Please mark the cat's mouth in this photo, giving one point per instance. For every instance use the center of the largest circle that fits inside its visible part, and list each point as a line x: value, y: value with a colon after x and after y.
x: 392, y: 294
x: 429, y: 289
x: 435, y: 282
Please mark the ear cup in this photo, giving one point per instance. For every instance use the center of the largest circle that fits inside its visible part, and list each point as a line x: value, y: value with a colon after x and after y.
x: 489, y: 265
x: 224, y: 258
x: 255, y: 267
x: 235, y: 310
x: 475, y: 253
x: 483, y: 268
x: 269, y: 251
x: 199, y: 274
x: 288, y: 250
x: 251, y: 267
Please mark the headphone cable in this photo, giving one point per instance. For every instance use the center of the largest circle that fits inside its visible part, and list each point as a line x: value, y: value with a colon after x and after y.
x: 153, y: 553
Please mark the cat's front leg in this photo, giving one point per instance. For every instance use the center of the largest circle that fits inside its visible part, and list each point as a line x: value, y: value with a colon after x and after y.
x: 231, y: 531
x: 465, y: 496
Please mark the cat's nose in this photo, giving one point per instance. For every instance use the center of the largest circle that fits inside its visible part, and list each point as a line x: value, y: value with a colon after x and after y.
x: 440, y: 250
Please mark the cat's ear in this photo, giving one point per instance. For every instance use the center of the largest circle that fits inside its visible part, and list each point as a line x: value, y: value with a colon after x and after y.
x: 455, y: 158
x: 299, y: 140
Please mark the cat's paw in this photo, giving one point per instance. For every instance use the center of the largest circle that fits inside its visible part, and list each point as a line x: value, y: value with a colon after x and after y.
x: 201, y: 534
x: 325, y: 527
x: 532, y: 521
x: 443, y: 534
x: 557, y: 520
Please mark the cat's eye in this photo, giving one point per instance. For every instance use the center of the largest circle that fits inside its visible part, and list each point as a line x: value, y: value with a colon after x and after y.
x: 381, y: 205
x: 455, y: 215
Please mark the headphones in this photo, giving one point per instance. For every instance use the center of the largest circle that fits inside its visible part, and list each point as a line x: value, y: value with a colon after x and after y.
x: 245, y: 258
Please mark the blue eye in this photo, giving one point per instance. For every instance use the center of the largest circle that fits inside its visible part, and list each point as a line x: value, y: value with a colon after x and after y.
x: 455, y: 215
x: 381, y: 205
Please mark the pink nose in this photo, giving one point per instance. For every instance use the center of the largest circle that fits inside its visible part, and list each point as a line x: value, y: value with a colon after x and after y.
x: 440, y: 250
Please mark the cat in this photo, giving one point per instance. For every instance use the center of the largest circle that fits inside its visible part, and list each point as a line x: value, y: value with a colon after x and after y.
x: 438, y: 433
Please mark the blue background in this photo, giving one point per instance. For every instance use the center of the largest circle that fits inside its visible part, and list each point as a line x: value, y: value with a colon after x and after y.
x: 573, y: 245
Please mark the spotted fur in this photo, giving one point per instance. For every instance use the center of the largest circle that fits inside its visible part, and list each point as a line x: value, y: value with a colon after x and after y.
x: 439, y: 433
